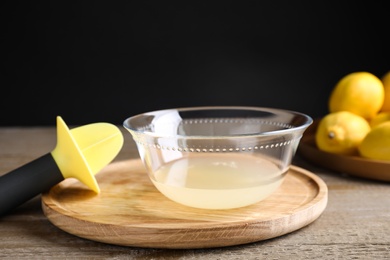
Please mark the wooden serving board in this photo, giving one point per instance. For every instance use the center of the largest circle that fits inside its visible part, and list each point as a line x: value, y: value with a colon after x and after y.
x: 130, y: 211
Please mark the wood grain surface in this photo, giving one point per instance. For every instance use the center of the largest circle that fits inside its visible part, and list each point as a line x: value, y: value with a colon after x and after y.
x: 130, y: 211
x: 354, y: 224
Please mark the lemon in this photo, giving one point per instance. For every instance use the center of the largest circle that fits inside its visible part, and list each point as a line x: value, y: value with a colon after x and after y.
x: 376, y: 144
x: 361, y: 93
x: 341, y: 132
x: 380, y: 118
x: 386, y: 85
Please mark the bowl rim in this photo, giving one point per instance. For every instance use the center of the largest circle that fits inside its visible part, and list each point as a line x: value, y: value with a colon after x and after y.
x: 308, y: 121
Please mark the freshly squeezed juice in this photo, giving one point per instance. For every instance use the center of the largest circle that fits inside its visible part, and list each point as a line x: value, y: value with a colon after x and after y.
x: 218, y: 181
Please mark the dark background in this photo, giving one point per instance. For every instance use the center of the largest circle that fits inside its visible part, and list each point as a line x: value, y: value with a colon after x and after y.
x: 108, y: 60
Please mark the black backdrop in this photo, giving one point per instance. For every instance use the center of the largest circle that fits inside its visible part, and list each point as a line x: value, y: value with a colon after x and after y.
x: 107, y: 60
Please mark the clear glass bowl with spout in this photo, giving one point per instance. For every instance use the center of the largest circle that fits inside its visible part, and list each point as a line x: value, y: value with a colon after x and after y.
x: 217, y: 157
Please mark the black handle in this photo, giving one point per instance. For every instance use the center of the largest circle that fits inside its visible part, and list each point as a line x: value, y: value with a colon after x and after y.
x: 27, y: 181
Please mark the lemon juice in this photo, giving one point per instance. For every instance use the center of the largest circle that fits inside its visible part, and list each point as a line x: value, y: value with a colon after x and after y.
x: 218, y: 181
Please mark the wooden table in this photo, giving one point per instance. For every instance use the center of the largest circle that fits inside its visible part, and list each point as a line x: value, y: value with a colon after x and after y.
x: 354, y: 225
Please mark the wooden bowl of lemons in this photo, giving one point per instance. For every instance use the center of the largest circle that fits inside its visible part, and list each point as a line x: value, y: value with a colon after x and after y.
x: 354, y: 137
x: 354, y: 165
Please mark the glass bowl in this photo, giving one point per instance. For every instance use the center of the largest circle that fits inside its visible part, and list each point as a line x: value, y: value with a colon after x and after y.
x: 217, y: 157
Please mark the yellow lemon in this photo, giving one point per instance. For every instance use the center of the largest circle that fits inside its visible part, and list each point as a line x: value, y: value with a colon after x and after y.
x: 386, y: 85
x: 376, y: 144
x: 380, y: 118
x: 341, y: 132
x: 361, y: 93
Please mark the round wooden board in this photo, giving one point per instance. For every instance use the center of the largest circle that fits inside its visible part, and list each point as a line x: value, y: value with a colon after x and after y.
x: 130, y: 211
x: 352, y: 165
